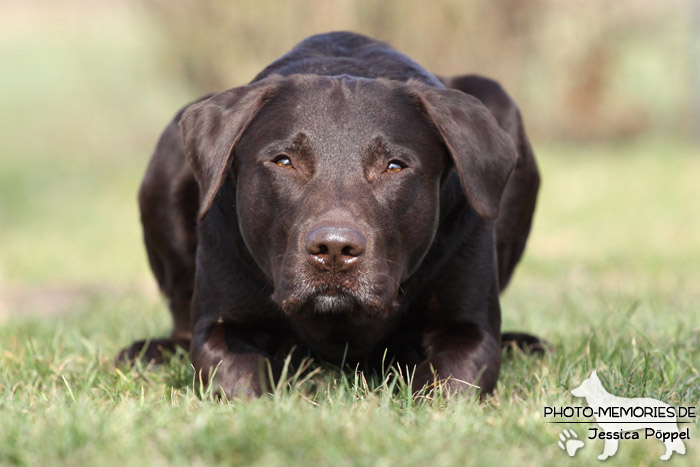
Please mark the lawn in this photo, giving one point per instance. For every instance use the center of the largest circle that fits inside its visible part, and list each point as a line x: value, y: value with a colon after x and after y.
x: 611, y: 278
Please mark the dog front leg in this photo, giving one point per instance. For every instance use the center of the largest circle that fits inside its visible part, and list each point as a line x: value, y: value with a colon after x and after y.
x: 229, y: 363
x: 609, y: 449
x: 462, y: 357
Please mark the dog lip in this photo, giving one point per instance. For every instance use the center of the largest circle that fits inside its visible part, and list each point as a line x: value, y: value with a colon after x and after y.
x: 335, y: 295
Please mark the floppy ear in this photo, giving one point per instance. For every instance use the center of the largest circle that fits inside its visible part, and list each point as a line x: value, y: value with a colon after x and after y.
x: 483, y: 154
x: 211, y: 128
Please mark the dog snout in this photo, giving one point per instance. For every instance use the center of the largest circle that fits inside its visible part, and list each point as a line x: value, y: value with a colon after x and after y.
x: 335, y: 248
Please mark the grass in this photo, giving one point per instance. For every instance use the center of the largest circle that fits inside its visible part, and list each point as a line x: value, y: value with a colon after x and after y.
x: 611, y: 278
x: 63, y: 402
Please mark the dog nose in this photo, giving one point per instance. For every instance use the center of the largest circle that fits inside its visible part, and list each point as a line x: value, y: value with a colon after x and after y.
x: 335, y: 248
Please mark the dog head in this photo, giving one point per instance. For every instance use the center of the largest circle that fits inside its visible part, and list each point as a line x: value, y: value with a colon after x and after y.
x: 589, y: 387
x: 338, y: 180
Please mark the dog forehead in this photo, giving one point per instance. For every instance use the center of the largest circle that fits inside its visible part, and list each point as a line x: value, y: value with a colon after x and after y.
x: 348, y: 103
x: 346, y: 112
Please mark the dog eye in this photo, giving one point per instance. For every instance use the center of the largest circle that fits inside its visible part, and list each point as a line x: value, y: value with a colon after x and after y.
x: 395, y: 166
x: 283, y: 161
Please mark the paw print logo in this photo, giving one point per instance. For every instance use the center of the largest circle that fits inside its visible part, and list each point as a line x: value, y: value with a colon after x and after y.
x: 569, y: 442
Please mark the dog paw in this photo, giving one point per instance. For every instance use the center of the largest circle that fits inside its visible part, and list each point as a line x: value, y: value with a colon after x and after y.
x: 527, y: 343
x: 568, y: 442
x: 154, y: 350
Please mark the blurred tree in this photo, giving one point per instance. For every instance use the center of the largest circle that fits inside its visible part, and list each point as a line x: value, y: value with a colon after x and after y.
x: 694, y: 52
x: 594, y: 69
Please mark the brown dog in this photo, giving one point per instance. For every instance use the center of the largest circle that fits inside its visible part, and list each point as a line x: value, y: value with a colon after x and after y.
x: 347, y: 201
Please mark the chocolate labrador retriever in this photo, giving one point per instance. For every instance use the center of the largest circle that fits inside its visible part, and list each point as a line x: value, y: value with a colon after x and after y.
x: 346, y: 201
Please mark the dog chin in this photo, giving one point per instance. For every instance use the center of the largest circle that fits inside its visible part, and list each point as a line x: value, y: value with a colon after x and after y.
x: 336, y: 303
x: 323, y: 304
x: 333, y: 304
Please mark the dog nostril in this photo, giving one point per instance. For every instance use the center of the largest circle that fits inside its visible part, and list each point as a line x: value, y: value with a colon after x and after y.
x: 351, y: 250
x: 317, y: 248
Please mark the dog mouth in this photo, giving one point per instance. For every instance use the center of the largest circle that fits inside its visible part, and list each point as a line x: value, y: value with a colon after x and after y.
x: 334, y: 301
x: 303, y: 292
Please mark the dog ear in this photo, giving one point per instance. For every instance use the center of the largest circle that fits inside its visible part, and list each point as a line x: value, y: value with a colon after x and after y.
x: 211, y: 128
x: 483, y: 154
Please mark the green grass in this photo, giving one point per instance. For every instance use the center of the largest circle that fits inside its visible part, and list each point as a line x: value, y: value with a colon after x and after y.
x: 611, y: 278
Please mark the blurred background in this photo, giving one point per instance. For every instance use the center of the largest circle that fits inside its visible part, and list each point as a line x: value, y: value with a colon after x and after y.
x: 610, y: 94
